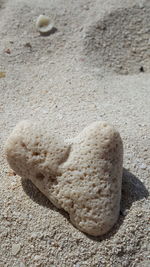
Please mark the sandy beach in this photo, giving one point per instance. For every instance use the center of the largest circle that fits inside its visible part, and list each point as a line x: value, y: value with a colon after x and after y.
x: 95, y: 67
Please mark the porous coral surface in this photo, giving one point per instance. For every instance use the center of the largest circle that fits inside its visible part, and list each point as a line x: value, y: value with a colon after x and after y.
x: 84, y: 178
x: 50, y: 78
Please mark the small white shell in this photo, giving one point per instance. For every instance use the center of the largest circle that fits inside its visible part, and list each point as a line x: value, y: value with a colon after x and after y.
x: 44, y: 26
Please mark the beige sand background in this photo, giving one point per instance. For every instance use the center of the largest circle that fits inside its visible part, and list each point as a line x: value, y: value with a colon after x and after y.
x: 95, y: 67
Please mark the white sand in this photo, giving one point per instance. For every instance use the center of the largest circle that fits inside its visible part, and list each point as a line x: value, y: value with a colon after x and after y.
x: 72, y: 78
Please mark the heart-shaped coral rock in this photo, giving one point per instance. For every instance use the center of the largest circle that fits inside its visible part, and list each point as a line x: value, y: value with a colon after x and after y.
x: 83, y: 177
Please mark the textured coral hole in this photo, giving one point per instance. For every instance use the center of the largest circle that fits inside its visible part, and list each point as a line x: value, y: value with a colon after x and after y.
x: 23, y: 145
x: 88, y: 209
x: 37, y: 143
x: 35, y: 154
x: 99, y: 191
x: 40, y: 176
x: 72, y: 205
x: 45, y: 153
x: 53, y: 180
x: 68, y: 182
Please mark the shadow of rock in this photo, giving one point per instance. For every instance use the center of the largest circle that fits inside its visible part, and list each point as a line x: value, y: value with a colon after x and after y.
x: 34, y: 193
x: 132, y: 190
